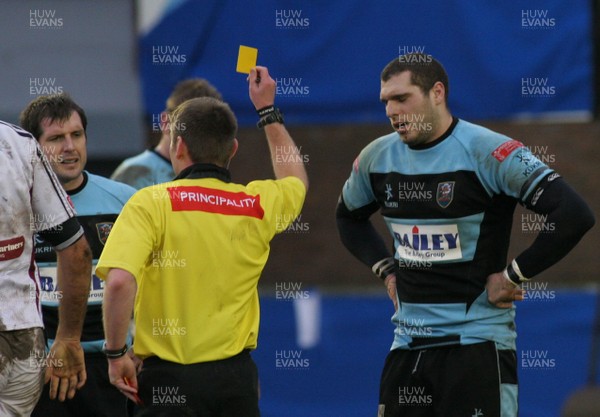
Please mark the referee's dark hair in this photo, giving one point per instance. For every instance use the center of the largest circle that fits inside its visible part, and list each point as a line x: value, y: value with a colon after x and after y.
x: 208, y: 127
x: 424, y: 69
x: 54, y: 107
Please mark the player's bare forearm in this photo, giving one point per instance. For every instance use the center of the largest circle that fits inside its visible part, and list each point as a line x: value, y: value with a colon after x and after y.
x: 74, y: 270
x: 119, y: 297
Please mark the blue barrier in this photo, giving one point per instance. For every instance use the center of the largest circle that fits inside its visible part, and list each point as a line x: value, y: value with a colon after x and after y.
x: 339, y: 375
x: 504, y: 59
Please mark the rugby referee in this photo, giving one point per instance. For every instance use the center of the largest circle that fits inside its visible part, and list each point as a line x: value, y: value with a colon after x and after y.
x: 187, y: 255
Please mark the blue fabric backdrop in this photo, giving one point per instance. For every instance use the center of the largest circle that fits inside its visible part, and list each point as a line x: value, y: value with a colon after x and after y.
x: 339, y: 376
x: 504, y: 59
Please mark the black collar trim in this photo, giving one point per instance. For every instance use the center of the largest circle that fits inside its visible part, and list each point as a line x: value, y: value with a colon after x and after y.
x: 447, y: 133
x: 81, y: 186
x: 196, y: 171
x: 161, y: 156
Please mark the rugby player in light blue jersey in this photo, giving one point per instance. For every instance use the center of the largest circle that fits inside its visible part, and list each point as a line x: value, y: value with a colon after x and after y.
x: 59, y: 125
x: 447, y: 190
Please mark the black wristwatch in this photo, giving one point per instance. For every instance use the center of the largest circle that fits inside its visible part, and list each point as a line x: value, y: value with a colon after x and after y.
x: 114, y: 353
x: 274, y: 116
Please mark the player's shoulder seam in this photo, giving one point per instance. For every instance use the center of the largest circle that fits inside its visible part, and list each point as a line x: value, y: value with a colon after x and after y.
x: 479, y: 141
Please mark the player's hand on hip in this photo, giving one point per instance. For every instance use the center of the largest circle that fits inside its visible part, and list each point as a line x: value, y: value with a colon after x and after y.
x: 501, y: 292
x: 261, y: 87
x: 66, y: 368
x: 390, y: 285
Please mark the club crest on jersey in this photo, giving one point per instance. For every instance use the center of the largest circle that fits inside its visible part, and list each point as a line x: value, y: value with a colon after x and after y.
x: 103, y: 230
x: 445, y: 193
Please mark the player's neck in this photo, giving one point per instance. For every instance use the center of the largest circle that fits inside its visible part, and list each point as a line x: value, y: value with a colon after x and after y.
x: 445, y: 121
x: 163, y: 147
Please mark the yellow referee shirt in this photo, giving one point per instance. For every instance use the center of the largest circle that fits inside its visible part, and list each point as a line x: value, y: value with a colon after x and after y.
x: 196, y: 247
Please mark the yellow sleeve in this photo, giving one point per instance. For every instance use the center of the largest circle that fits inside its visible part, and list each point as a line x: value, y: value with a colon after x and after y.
x: 133, y: 236
x: 282, y: 200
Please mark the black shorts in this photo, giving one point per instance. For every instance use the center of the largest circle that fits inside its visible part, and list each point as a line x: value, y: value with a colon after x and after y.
x: 450, y: 381
x: 223, y: 388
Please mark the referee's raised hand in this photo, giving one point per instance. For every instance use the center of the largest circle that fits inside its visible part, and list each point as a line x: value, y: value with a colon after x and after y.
x: 261, y: 87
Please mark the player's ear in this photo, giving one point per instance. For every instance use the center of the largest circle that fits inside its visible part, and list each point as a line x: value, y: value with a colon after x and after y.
x: 438, y: 92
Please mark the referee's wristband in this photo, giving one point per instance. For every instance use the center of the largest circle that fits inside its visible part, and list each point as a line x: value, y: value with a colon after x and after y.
x: 383, y: 268
x: 114, y: 353
x: 269, y: 115
x: 513, y: 273
x: 264, y: 111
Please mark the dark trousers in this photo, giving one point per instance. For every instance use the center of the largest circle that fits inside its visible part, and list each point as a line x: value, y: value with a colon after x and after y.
x: 224, y: 388
x: 451, y: 381
x: 97, y: 398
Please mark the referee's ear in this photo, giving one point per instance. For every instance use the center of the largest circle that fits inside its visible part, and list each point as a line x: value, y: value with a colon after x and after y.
x: 234, y: 149
x: 181, y: 149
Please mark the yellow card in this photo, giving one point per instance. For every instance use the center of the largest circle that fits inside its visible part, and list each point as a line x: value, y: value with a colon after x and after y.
x: 246, y: 59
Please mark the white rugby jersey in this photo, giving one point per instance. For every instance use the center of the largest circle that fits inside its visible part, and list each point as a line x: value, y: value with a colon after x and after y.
x: 31, y: 200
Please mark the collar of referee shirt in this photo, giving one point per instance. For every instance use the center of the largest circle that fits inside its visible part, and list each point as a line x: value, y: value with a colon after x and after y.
x: 200, y: 170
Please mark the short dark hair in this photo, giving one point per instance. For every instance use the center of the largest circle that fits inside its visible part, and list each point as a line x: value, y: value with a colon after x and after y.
x: 424, y: 69
x: 208, y: 128
x: 54, y: 107
x: 191, y: 88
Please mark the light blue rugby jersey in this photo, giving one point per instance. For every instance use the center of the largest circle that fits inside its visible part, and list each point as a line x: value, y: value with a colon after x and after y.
x: 144, y: 170
x: 449, y: 208
x: 98, y: 201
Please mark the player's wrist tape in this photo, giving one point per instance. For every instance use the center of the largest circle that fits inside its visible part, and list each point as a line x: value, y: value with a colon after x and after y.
x: 114, y: 353
x: 513, y: 273
x: 383, y: 268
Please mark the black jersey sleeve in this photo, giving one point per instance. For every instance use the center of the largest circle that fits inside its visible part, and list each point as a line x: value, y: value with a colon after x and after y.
x: 570, y: 218
x: 358, y: 234
x: 63, y: 235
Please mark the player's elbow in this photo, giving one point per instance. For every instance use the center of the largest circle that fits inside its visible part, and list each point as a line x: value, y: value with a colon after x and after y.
x: 78, y: 253
x: 581, y: 219
x: 586, y: 219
